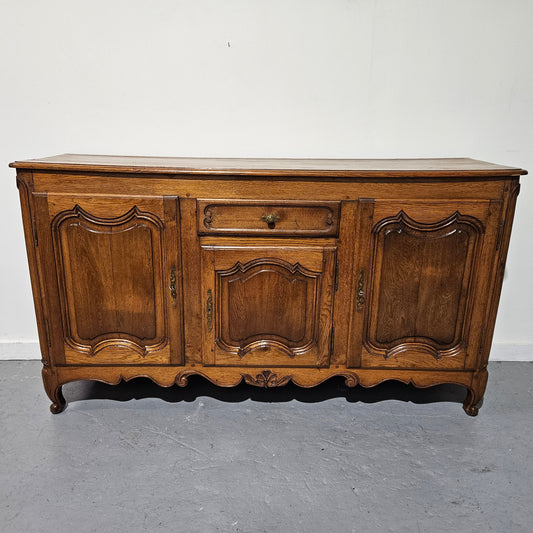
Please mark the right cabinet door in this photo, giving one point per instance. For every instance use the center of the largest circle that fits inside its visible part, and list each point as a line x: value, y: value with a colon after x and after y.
x: 421, y: 296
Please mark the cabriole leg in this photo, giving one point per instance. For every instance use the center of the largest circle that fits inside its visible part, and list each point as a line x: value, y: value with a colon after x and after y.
x: 475, y: 393
x: 53, y: 390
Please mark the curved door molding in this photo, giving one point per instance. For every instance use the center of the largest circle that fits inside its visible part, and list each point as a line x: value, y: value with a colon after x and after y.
x: 267, y: 304
x: 111, y: 290
x: 421, y: 285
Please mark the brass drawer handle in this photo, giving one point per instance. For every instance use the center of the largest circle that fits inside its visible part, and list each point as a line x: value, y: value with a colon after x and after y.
x: 271, y: 220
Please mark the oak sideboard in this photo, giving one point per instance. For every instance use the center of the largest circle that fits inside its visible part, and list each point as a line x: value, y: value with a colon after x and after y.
x: 266, y: 270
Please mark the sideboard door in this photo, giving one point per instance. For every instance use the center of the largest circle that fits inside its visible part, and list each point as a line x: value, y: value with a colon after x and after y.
x: 421, y: 294
x: 267, y: 304
x: 113, y: 278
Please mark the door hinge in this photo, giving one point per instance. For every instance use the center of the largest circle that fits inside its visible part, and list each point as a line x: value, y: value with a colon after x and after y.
x: 47, y: 331
x: 336, y: 275
x: 499, y: 236
x: 34, y: 231
x: 332, y: 341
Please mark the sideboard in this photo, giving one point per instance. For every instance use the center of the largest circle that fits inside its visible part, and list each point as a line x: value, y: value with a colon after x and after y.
x: 266, y: 270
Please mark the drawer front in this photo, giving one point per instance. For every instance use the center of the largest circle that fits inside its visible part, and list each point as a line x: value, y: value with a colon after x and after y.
x: 265, y: 218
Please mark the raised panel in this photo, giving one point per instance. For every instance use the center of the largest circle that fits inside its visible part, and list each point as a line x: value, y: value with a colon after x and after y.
x: 111, y: 285
x: 265, y: 303
x: 422, y: 281
x: 110, y: 278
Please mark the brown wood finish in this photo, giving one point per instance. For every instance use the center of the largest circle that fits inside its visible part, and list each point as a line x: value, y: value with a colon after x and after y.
x: 270, y: 304
x: 109, y: 278
x: 25, y: 186
x: 379, y: 168
x: 422, y: 281
x: 261, y: 218
x: 266, y: 271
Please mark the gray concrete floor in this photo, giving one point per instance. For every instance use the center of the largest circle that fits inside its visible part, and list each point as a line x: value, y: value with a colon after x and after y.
x: 137, y: 457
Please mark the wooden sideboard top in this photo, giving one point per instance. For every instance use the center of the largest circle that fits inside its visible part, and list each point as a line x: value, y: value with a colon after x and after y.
x: 331, y: 168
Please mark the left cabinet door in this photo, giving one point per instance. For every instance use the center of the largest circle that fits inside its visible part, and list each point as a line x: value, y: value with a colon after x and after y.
x: 112, y: 276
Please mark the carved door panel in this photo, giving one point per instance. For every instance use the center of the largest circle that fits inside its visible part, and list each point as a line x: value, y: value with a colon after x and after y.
x: 422, y: 297
x: 267, y: 305
x: 114, y: 279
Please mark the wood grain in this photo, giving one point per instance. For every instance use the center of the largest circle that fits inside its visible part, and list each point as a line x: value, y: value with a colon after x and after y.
x: 265, y: 167
x: 171, y: 267
x: 271, y: 304
x: 25, y: 186
x: 251, y: 218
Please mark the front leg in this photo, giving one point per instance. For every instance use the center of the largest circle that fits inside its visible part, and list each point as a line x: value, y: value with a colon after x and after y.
x: 53, y: 390
x: 474, y: 396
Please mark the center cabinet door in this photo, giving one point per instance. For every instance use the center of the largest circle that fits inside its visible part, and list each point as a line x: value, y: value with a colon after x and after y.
x: 267, y: 303
x: 113, y: 278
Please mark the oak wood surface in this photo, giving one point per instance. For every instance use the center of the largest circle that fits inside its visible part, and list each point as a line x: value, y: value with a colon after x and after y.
x: 270, y: 166
x: 421, y: 283
x: 169, y: 267
x: 110, y: 275
x: 25, y: 186
x: 191, y: 261
x: 105, y: 186
x: 271, y: 305
x: 358, y: 297
x: 270, y: 219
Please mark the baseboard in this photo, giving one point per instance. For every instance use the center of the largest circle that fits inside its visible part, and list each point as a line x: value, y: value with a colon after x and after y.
x: 30, y: 350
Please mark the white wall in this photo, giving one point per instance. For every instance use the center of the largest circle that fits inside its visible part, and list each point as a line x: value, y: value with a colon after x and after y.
x: 281, y: 78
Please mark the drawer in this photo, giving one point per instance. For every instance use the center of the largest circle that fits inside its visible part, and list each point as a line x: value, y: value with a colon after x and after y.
x: 249, y: 217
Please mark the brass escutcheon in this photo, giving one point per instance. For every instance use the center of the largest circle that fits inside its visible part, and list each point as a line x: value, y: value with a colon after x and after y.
x: 172, y: 286
x: 209, y: 310
x: 361, y: 290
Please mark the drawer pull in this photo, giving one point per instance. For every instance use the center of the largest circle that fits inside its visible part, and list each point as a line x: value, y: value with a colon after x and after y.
x: 271, y: 220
